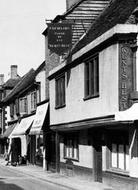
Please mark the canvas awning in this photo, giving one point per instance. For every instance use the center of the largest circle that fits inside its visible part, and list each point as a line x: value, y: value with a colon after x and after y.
x: 9, y: 130
x: 23, y: 126
x: 40, y: 115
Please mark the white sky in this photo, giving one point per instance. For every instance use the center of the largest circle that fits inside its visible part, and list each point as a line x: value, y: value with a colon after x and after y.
x: 21, y: 25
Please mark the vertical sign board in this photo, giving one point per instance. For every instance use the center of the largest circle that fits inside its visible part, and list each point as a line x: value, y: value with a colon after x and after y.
x: 59, y: 37
x: 125, y: 76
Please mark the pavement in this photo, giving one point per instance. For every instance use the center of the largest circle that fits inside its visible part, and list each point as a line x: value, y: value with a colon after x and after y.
x: 59, y: 179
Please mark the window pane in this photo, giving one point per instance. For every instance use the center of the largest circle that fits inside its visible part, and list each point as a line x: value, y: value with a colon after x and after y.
x: 87, y: 79
x: 92, y: 77
x: 121, y: 156
x: 60, y: 91
x: 75, y: 150
x: 114, y: 156
x: 96, y: 78
x: 127, y: 157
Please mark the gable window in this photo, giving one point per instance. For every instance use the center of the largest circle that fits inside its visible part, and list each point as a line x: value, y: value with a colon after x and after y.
x: 71, y: 150
x: 92, y: 77
x: 60, y: 91
x: 23, y: 105
x: 33, y: 100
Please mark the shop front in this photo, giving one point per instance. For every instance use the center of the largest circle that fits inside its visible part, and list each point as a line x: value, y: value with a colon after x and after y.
x: 37, y: 151
x: 101, y: 149
x: 19, y: 139
x: 9, y: 128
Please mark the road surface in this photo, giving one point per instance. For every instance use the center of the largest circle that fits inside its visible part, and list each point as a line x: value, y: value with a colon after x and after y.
x: 14, y: 180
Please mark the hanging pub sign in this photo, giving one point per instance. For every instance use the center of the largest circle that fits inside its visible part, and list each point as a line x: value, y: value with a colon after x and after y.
x: 59, y: 37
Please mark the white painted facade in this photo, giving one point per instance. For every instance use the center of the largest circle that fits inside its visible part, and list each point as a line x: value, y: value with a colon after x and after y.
x: 105, y: 104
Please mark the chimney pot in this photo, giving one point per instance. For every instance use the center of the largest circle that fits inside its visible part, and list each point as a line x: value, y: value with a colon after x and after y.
x: 14, y: 74
x: 1, y: 79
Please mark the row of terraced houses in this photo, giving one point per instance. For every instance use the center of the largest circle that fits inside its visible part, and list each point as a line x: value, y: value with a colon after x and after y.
x: 77, y: 113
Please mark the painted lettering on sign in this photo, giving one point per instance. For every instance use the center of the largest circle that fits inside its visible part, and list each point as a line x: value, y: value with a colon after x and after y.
x: 125, y: 76
x: 59, y: 37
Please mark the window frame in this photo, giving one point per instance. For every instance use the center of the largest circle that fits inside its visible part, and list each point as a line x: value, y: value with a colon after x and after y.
x: 91, y: 77
x: 33, y: 100
x: 70, y: 144
x: 60, y: 95
x: 122, y: 141
x: 23, y: 106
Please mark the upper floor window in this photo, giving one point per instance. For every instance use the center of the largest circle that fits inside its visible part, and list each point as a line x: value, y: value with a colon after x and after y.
x: 92, y: 77
x: 33, y: 100
x: 23, y: 105
x: 60, y: 91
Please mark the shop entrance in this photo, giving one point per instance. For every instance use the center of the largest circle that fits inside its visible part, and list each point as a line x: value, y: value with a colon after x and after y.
x: 15, y: 150
x: 51, y: 152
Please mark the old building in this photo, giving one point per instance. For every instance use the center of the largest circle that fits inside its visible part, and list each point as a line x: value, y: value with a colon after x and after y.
x: 28, y: 108
x: 81, y: 14
x: 5, y: 88
x: 93, y: 100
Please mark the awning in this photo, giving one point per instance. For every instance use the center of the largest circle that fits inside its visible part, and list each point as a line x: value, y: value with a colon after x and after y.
x: 39, y: 119
x: 130, y: 114
x: 23, y: 126
x: 9, y: 130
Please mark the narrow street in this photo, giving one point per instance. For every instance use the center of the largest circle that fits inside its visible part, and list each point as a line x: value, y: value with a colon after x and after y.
x: 14, y: 180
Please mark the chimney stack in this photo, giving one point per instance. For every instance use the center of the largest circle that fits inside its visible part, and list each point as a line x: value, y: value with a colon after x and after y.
x: 14, y: 74
x: 69, y: 3
x: 1, y: 79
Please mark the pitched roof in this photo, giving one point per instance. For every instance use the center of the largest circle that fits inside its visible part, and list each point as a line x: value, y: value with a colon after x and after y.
x: 118, y: 12
x: 11, y: 82
x: 81, y: 15
x: 40, y: 68
x: 25, y: 81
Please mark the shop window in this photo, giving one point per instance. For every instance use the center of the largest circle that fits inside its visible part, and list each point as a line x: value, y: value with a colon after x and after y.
x: 71, y: 150
x: 23, y: 105
x: 92, y: 78
x: 33, y: 100
x: 60, y: 91
x: 120, y: 153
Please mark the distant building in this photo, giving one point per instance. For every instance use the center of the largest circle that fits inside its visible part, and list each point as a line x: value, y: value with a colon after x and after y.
x: 5, y: 88
x: 28, y: 109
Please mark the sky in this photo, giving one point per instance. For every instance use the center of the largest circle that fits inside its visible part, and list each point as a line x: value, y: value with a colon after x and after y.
x: 21, y: 25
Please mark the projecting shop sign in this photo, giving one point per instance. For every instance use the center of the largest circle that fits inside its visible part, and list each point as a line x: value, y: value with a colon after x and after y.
x: 59, y: 37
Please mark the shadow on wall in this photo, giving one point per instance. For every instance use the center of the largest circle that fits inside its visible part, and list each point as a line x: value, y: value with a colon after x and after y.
x: 8, y: 186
